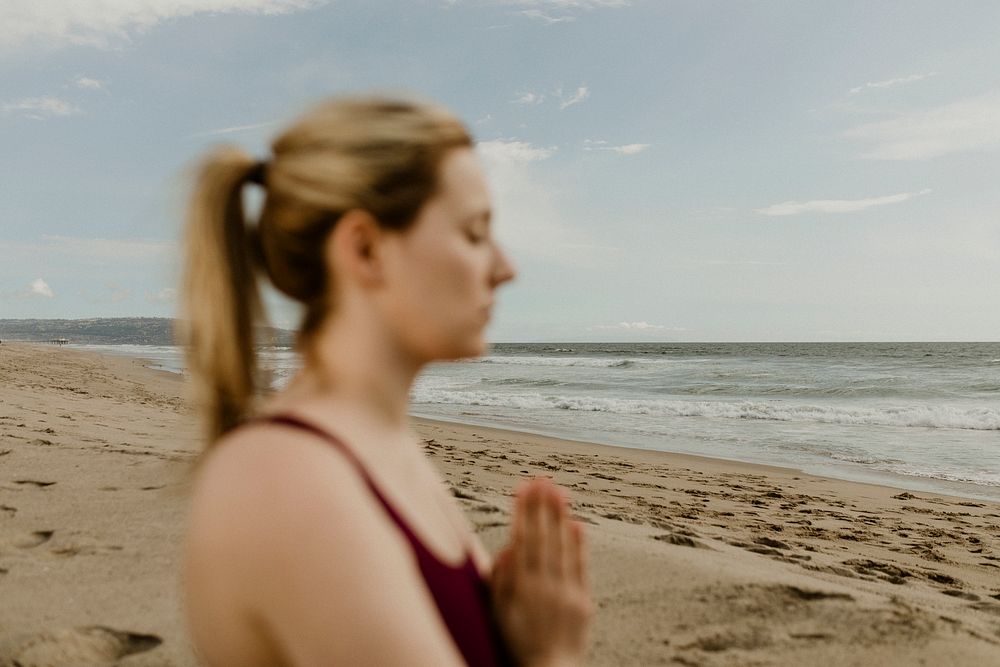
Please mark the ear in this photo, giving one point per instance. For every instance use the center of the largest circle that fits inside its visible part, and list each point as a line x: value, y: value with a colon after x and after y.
x: 353, y: 249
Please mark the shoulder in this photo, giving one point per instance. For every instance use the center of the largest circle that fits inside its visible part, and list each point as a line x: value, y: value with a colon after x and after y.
x: 269, y: 481
x: 283, y: 532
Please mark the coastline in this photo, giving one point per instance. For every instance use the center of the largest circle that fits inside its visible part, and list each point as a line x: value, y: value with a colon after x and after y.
x: 694, y: 560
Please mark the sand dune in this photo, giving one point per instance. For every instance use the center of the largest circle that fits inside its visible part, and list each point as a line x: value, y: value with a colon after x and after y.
x: 695, y: 561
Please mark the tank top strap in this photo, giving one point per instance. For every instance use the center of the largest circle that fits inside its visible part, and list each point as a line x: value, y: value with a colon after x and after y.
x: 296, y: 422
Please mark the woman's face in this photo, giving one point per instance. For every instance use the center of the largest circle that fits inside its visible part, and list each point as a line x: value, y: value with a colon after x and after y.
x: 441, y: 274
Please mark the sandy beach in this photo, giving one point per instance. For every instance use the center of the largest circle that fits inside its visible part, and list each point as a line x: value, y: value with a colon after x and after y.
x: 695, y: 561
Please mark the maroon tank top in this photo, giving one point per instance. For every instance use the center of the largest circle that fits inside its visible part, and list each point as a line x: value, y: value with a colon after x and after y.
x: 461, y: 594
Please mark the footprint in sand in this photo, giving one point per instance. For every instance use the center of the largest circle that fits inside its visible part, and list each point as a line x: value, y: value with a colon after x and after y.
x: 681, y: 541
x: 92, y: 646
x: 956, y: 593
x: 36, y: 538
x: 33, y: 481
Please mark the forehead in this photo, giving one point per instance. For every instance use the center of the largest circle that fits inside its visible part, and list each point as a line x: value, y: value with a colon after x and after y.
x: 462, y: 185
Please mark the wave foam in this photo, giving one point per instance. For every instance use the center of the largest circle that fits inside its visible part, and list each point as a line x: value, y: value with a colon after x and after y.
x: 915, y: 416
x: 562, y: 362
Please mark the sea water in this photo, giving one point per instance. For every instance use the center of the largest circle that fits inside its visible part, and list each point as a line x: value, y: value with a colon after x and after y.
x: 924, y: 416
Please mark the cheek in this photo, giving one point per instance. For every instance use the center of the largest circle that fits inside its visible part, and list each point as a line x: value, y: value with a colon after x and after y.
x: 446, y: 277
x: 439, y: 301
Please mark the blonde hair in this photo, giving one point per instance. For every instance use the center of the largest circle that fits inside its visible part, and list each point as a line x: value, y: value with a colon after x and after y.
x: 377, y: 154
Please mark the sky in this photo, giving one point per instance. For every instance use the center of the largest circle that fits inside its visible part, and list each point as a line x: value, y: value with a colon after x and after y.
x: 662, y: 170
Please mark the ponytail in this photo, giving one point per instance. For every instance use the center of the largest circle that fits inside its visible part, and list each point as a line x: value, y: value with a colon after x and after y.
x: 220, y: 301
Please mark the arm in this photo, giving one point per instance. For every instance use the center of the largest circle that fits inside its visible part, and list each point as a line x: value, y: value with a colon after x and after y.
x: 306, y: 551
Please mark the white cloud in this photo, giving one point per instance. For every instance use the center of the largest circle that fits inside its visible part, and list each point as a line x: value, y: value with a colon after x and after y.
x: 234, y: 128
x: 102, y: 23
x: 967, y: 125
x: 737, y: 262
x: 91, y: 252
x: 165, y: 295
x: 580, y: 95
x: 630, y: 149
x: 512, y: 152
x: 119, y: 293
x: 836, y: 205
x: 625, y: 149
x: 888, y: 83
x: 40, y: 288
x: 539, y: 15
x: 112, y: 249
x: 571, y: 4
x: 88, y: 83
x: 531, y: 218
x: 40, y: 107
x: 634, y: 326
x: 528, y: 99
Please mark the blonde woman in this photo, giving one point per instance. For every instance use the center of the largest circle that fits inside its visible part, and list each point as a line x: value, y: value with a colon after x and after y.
x: 319, y: 532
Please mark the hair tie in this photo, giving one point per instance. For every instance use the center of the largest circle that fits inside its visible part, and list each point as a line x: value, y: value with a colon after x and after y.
x: 258, y: 173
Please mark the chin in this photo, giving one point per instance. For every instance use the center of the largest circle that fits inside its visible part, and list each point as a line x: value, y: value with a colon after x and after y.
x: 473, y: 347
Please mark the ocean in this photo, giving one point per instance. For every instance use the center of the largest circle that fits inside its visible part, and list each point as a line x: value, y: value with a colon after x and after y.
x: 921, y: 416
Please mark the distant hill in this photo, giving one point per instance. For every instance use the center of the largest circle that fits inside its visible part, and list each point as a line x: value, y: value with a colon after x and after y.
x: 113, y: 331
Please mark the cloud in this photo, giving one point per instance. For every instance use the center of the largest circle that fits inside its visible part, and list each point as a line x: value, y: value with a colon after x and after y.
x: 119, y: 293
x: 972, y: 124
x: 112, y: 249
x: 891, y: 82
x: 513, y: 152
x: 634, y: 326
x: 528, y: 99
x: 87, y: 83
x: 546, y: 18
x: 91, y: 252
x: 580, y: 95
x: 165, y: 295
x: 737, y: 262
x: 625, y: 149
x: 103, y: 23
x: 234, y: 128
x: 40, y: 288
x: 571, y: 4
x: 532, y: 220
x: 836, y: 205
x: 40, y: 107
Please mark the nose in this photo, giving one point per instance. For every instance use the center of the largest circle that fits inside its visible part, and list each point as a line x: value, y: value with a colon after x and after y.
x: 503, y: 269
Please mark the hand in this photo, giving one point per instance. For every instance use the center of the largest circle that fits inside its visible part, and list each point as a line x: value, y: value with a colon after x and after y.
x: 541, y: 596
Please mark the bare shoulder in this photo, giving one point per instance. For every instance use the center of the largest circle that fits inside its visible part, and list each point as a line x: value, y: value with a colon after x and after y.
x: 260, y: 477
x: 260, y: 487
x: 284, y: 533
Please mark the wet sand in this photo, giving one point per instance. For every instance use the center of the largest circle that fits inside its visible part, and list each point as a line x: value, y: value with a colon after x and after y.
x: 694, y: 561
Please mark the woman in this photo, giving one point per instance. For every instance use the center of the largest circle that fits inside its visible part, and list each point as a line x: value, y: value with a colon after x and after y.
x: 319, y: 532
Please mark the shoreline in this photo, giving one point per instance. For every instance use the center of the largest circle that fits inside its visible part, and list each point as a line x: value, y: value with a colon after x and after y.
x: 932, y: 485
x: 837, y: 471
x: 694, y: 561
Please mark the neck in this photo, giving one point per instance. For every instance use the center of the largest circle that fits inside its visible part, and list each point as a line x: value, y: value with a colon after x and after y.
x: 361, y: 368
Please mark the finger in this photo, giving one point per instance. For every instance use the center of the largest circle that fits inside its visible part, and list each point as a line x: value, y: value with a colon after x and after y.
x: 500, y: 578
x: 579, y: 558
x: 534, y: 527
x: 518, y: 536
x: 556, y: 516
x: 569, y: 566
